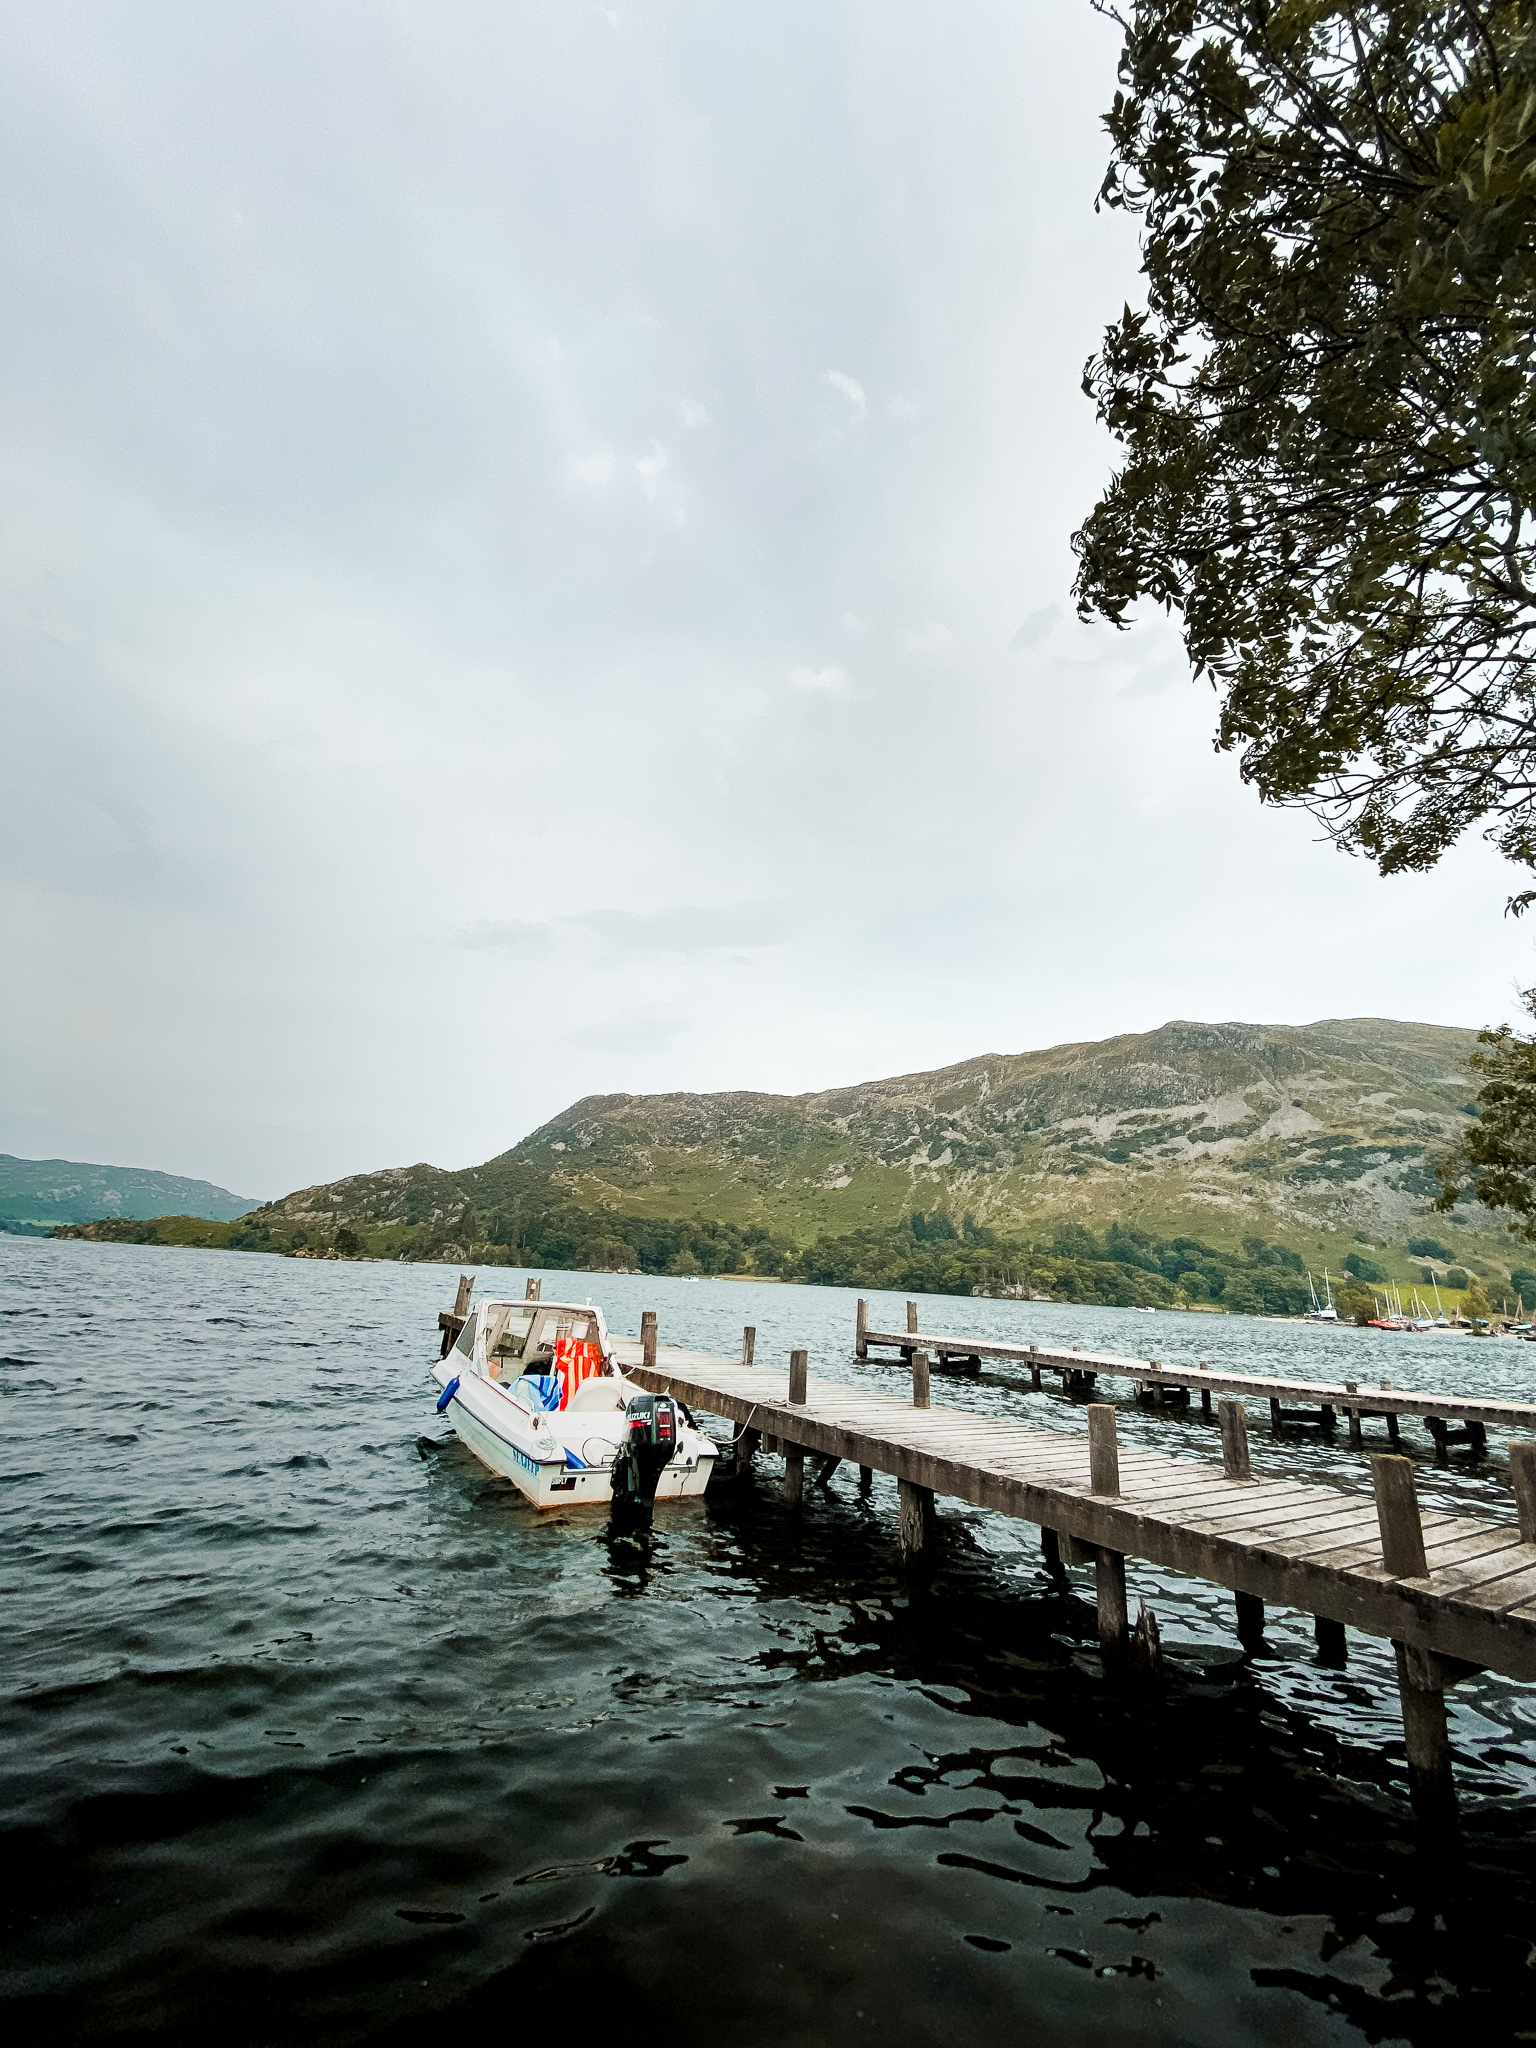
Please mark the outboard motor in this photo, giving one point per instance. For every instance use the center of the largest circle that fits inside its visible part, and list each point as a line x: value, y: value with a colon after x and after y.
x: 649, y: 1446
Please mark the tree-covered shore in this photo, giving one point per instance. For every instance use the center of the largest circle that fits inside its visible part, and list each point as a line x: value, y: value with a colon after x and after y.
x: 927, y: 1253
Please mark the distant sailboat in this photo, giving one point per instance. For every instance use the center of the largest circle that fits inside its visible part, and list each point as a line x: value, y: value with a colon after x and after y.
x: 1322, y: 1311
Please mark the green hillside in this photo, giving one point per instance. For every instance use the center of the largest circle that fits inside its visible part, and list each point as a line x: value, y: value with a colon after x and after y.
x: 1217, y: 1137
x: 37, y: 1193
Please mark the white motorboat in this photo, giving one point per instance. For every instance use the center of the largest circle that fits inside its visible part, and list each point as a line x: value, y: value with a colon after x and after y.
x: 534, y: 1390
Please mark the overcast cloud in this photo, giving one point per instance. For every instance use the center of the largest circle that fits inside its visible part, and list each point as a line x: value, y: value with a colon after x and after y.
x: 537, y: 564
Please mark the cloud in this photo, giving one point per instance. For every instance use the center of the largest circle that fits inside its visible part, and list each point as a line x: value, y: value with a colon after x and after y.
x: 829, y: 678
x: 1034, y: 629
x: 852, y: 391
x: 684, y: 931
x: 649, y: 469
x: 904, y: 409
x: 852, y: 623
x: 594, y: 472
x: 694, y: 416
x: 650, y: 1029
x: 934, y: 639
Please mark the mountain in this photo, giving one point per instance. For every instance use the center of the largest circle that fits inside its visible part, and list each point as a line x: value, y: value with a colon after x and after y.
x: 1318, y: 1136
x: 40, y: 1192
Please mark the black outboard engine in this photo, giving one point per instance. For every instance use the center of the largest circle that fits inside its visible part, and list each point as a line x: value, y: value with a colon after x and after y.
x: 649, y: 1446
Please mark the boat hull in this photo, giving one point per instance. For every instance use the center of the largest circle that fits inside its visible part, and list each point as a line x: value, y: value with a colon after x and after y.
x: 549, y: 1482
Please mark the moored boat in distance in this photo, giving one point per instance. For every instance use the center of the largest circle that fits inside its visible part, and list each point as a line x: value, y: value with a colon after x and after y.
x: 534, y: 1390
x: 1321, y: 1311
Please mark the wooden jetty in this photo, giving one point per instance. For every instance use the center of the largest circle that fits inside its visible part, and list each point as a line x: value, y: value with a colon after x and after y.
x: 1447, y: 1417
x: 1455, y: 1595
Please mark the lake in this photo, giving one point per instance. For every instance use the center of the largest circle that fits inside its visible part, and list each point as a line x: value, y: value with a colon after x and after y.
x: 314, y: 1730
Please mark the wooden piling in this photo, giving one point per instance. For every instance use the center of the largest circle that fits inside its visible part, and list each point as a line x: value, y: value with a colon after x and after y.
x: 861, y: 1330
x: 1356, y: 1434
x: 648, y: 1338
x: 1103, y: 1450
x: 1392, y: 1427
x: 1276, y: 1419
x: 746, y: 1448
x: 1522, y: 1474
x: 914, y: 1517
x: 912, y: 1318
x: 919, y: 1379
x: 532, y: 1290
x: 1034, y: 1370
x: 1234, y: 1441
x: 1205, y: 1403
x: 1109, y: 1594
x: 1250, y: 1621
x: 799, y: 1364
x: 748, y: 1343
x: 866, y: 1478
x: 1050, y: 1550
x: 794, y: 1474
x: 461, y: 1299
x: 1397, y: 1514
x: 1426, y: 1735
x: 1332, y: 1643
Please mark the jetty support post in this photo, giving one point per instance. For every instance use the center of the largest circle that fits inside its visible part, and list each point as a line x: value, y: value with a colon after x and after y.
x: 1276, y: 1419
x: 1332, y: 1644
x: 748, y: 1343
x: 1034, y: 1369
x: 914, y: 1518
x: 451, y: 1324
x: 1108, y: 1565
x: 648, y: 1338
x: 1397, y: 1516
x: 861, y: 1330
x: 920, y: 1379
x: 1392, y: 1428
x: 1426, y: 1735
x: 1522, y: 1473
x: 1234, y: 1441
x: 794, y: 1454
x: 532, y: 1291
x: 1356, y: 1436
x: 794, y: 1474
x: 1109, y: 1597
x: 1103, y: 1450
x: 1250, y: 1621
x: 912, y: 1318
x: 1421, y: 1676
x: 866, y: 1478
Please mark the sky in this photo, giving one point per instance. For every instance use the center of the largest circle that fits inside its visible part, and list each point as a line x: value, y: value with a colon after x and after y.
x: 537, y: 564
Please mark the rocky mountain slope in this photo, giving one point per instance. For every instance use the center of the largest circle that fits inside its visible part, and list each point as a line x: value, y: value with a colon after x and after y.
x: 42, y: 1192
x: 1319, y: 1136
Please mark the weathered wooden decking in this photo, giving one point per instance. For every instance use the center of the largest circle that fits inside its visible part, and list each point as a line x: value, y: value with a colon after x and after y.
x: 1438, y: 1411
x: 1309, y: 1547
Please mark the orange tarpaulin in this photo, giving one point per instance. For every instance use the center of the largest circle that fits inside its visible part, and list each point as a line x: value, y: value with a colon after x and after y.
x: 575, y: 1361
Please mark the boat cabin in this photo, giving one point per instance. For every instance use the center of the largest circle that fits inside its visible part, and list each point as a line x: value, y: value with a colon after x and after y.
x: 507, y: 1340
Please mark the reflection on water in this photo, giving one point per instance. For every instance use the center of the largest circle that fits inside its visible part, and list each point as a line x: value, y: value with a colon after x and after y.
x: 313, y: 1729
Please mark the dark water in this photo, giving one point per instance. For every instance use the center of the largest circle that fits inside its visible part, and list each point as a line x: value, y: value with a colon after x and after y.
x: 314, y: 1731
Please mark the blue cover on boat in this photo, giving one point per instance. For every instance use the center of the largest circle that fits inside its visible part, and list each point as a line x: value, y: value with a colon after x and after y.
x: 547, y: 1386
x: 575, y: 1464
x: 448, y: 1393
